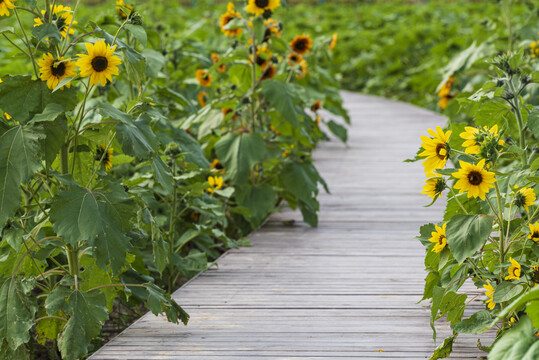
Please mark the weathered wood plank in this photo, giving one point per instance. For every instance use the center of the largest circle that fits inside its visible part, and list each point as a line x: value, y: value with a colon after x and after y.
x: 345, y: 290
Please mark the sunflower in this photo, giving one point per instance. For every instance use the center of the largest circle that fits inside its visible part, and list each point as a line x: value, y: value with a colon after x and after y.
x: 333, y: 41
x: 303, y: 68
x: 525, y: 197
x: 54, y: 70
x: 202, y: 98
x: 317, y: 105
x: 215, y: 58
x: 258, y: 7
x: 434, y: 186
x: 294, y: 59
x: 119, y: 9
x: 534, y: 232
x: 263, y: 57
x: 474, y: 179
x: 104, y: 155
x: 203, y: 77
x: 216, y: 182
x: 5, y: 6
x: 228, y: 17
x: 273, y: 28
x: 269, y: 72
x: 444, y: 93
x: 227, y: 111
x: 435, y: 149
x: 438, y: 238
x: 474, y: 137
x: 489, y: 293
x: 301, y: 44
x: 514, y: 270
x: 534, y: 47
x: 62, y: 17
x: 100, y: 63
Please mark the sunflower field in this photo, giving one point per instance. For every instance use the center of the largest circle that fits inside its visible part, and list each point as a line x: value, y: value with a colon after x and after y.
x: 141, y: 140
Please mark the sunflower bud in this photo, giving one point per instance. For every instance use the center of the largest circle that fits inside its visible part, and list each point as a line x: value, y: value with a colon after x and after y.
x: 500, y: 82
x: 172, y: 150
x: 246, y: 100
x: 274, y: 59
x: 136, y: 18
x: 233, y: 87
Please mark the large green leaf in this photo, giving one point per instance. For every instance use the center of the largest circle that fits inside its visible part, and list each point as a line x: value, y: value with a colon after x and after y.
x: 137, y: 138
x: 19, y: 159
x: 239, y: 153
x: 506, y: 291
x: 162, y: 174
x: 260, y: 200
x: 159, y: 302
x: 281, y: 96
x: 102, y: 218
x: 518, y: 342
x: 17, y: 310
x: 466, y: 234
x: 191, y: 147
x: 301, y: 180
x: 88, y: 313
x: 21, y: 97
x: 475, y: 323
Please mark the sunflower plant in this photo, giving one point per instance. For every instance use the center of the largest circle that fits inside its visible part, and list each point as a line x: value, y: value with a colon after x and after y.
x: 487, y: 168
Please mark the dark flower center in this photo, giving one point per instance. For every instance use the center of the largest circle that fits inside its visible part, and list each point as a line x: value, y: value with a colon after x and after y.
x: 260, y: 61
x: 58, y: 70
x: 61, y: 23
x: 439, y: 147
x: 100, y: 63
x: 475, y: 177
x: 228, y: 19
x: 535, y: 235
x: 261, y: 3
x: 301, y: 44
x: 441, y: 239
x: 516, y: 272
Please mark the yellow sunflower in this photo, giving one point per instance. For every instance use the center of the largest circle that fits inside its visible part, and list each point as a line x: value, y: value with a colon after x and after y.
x: 514, y: 270
x: 525, y: 197
x: 62, y: 17
x: 227, y: 111
x: 474, y: 137
x: 120, y: 4
x: 303, y: 68
x: 100, y: 63
x: 5, y: 6
x: 203, y: 77
x: 228, y: 17
x: 258, y: 7
x: 474, y: 179
x: 202, y: 98
x: 273, y: 28
x: 534, y: 46
x: 301, y: 44
x: 215, y: 182
x: 54, y: 70
x: 294, y: 59
x: 434, y: 186
x: 269, y: 72
x: 263, y: 57
x: 317, y: 105
x: 435, y: 149
x: 438, y: 238
x: 489, y: 293
x: 444, y: 93
x: 534, y: 232
x: 105, y: 157
x: 215, y: 58
x: 333, y: 42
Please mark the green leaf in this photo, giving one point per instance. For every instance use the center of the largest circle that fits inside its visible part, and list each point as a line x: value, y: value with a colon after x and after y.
x: 17, y: 310
x: 55, y: 134
x: 466, y: 234
x: 301, y: 180
x: 475, y: 323
x: 239, y: 75
x: 21, y: 97
x: 162, y: 174
x: 154, y: 62
x: 260, y: 200
x: 532, y: 309
x: 425, y: 232
x: 533, y: 123
x: 88, y: 313
x: 138, y: 32
x: 506, y: 291
x: 47, y: 31
x: 109, y: 111
x: 137, y: 138
x: 338, y: 130
x: 50, y: 113
x: 239, y: 153
x: 191, y: 147
x: 98, y: 217
x: 519, y: 342
x: 159, y: 302
x: 444, y: 349
x: 281, y: 96
x: 19, y: 159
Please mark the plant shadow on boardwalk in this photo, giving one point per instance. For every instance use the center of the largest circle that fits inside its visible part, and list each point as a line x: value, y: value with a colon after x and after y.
x: 348, y: 289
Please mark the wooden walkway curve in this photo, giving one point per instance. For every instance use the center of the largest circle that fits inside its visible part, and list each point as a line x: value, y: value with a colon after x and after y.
x: 345, y: 290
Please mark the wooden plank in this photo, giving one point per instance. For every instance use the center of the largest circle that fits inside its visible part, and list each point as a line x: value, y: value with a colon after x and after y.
x: 344, y: 290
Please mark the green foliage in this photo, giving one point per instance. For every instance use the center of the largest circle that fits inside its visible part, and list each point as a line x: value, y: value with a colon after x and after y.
x: 466, y: 234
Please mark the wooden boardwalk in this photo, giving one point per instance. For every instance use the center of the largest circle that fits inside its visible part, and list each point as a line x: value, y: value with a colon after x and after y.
x: 345, y: 290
